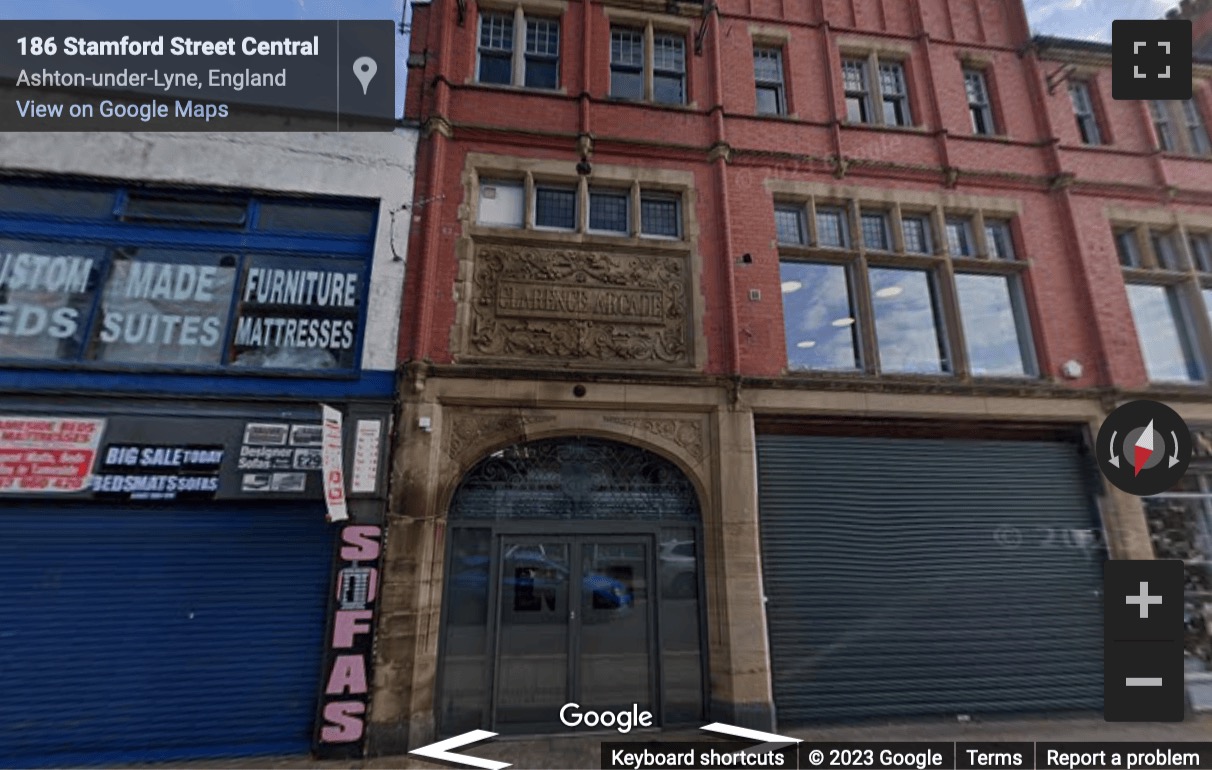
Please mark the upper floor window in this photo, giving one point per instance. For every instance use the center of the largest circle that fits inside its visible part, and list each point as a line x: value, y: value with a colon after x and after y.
x: 542, y: 59
x: 888, y: 89
x: 858, y: 93
x: 1179, y: 127
x: 559, y: 206
x: 980, y: 108
x: 632, y: 76
x: 900, y: 325
x: 1166, y: 141
x: 831, y: 229
x: 555, y: 207
x: 1164, y: 330
x: 609, y: 210
x: 627, y: 63
x: 875, y: 231
x: 660, y: 215
x: 768, y: 76
x: 1167, y: 250
x: 496, y: 48
x: 959, y: 237
x: 895, y: 94
x: 998, y: 241
x: 1164, y: 297
x: 1127, y: 248
x: 502, y: 203
x: 1083, y: 111
x: 1201, y: 251
x: 789, y: 224
x: 668, y: 69
x: 532, y: 61
x: 1196, y: 132
x: 915, y: 230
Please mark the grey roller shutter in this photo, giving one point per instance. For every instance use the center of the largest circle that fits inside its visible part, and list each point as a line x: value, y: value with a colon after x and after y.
x: 918, y: 576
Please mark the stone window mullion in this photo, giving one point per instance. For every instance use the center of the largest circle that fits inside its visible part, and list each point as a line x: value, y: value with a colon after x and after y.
x: 649, y: 53
x: 854, y: 224
x: 938, y: 221
x: 864, y: 314
x: 876, y: 88
x: 1184, y: 249
x: 519, y: 46
x: 980, y: 241
x: 1178, y: 122
x: 582, y: 223
x: 896, y: 223
x: 634, y: 224
x: 528, y: 204
x: 951, y: 317
x: 1144, y: 242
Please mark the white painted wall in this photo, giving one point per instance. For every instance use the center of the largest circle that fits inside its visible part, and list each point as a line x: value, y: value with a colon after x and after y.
x: 378, y: 165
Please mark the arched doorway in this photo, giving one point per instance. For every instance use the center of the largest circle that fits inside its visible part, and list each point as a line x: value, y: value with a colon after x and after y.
x: 573, y: 575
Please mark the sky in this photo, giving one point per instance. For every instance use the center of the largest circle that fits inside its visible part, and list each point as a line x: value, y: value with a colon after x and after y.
x: 1084, y: 19
x: 1090, y: 19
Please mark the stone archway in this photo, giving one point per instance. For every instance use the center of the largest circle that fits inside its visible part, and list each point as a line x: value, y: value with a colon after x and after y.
x: 573, y: 574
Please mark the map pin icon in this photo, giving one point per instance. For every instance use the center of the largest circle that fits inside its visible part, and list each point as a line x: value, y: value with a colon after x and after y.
x: 364, y: 70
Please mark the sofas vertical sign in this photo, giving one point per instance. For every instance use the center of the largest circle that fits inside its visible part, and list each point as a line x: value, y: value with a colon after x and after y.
x: 347, y: 670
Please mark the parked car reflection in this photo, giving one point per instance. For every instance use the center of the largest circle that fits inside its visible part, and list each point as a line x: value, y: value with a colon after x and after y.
x: 534, y: 585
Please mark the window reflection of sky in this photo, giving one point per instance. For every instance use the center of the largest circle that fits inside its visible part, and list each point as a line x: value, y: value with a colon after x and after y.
x: 905, y: 324
x: 1166, y: 357
x: 989, y: 327
x: 818, y: 318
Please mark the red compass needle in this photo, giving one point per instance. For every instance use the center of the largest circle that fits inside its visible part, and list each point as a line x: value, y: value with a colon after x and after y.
x: 1144, y: 449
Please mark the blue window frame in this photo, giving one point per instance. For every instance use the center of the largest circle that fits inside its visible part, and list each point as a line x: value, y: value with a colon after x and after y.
x: 106, y: 277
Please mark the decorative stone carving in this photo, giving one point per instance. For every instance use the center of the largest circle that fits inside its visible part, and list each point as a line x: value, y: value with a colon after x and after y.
x: 687, y: 433
x: 568, y: 304
x: 469, y: 429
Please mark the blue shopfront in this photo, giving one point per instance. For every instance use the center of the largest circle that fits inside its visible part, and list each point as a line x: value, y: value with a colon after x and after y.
x: 173, y: 586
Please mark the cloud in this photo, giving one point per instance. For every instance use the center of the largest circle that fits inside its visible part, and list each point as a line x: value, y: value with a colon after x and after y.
x: 1090, y: 19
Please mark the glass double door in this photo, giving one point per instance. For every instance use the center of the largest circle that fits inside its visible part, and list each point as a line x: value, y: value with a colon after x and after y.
x: 574, y: 625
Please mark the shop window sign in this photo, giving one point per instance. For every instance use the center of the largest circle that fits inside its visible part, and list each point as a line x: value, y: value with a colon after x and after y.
x: 45, y: 293
x: 263, y: 301
x: 297, y: 315
x: 165, y: 312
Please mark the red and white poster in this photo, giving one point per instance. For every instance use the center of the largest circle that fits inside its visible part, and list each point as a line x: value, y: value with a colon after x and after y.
x: 332, y: 465
x: 47, y: 454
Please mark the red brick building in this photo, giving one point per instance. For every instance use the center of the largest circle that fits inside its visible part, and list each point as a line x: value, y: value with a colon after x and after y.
x: 781, y: 330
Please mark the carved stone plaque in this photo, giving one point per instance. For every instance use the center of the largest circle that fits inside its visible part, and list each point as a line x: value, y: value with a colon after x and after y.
x: 576, y: 305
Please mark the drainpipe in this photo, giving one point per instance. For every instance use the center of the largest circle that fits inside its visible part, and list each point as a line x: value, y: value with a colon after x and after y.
x: 721, y: 151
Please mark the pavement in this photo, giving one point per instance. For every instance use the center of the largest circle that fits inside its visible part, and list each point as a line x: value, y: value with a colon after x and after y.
x: 583, y: 751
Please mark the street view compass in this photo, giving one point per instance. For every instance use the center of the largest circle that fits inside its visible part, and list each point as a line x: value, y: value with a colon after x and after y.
x: 1144, y: 448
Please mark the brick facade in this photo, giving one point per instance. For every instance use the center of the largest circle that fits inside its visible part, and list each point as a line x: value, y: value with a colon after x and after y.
x: 730, y: 166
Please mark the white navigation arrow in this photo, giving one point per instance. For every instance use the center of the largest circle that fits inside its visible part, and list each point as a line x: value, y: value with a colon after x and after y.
x: 770, y: 741
x: 441, y: 750
x: 745, y: 732
x: 1173, y: 456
